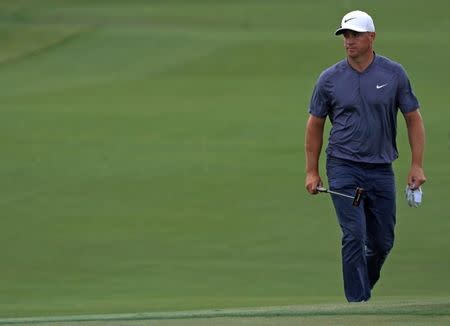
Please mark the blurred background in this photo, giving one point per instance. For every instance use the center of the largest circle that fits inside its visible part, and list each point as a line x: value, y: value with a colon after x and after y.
x: 152, y: 154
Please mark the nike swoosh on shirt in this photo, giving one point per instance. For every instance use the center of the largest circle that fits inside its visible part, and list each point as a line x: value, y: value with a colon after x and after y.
x: 380, y: 86
x: 349, y: 19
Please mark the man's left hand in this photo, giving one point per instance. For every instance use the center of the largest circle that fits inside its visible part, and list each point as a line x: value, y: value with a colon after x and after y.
x: 416, y: 177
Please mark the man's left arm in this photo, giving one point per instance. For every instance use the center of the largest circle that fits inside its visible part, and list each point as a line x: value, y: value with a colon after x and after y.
x: 416, y: 136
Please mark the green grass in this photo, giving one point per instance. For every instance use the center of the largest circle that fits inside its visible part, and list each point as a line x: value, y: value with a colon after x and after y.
x: 423, y: 312
x: 152, y: 155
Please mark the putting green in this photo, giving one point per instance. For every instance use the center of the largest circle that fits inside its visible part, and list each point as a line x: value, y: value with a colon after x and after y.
x: 419, y: 312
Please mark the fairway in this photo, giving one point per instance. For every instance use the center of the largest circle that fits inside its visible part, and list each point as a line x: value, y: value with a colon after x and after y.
x: 152, y: 161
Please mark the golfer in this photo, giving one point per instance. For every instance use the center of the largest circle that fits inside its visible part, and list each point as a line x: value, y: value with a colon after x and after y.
x: 361, y: 96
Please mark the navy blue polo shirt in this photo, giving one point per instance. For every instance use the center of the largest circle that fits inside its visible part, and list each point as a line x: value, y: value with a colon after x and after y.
x: 362, y: 108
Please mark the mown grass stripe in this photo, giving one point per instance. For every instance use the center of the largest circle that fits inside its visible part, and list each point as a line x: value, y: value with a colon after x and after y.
x: 407, y: 308
x: 46, y: 45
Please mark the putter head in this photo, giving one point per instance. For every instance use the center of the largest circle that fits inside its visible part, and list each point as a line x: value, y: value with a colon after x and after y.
x: 358, y: 195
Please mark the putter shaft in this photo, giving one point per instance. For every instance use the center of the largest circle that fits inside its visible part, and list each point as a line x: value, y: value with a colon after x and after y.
x: 339, y: 194
x: 322, y: 189
x: 356, y: 198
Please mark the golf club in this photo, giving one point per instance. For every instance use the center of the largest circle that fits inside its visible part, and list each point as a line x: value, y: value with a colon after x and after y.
x: 356, y: 198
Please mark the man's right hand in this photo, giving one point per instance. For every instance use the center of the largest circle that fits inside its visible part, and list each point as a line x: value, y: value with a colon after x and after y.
x: 312, y: 181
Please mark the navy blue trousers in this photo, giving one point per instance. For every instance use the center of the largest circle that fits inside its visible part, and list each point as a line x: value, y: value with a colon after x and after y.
x: 367, y: 230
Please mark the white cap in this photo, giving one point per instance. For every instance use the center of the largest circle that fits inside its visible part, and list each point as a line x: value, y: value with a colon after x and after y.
x: 357, y: 21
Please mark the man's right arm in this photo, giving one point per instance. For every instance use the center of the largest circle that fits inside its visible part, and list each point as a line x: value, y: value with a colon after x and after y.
x: 313, y: 147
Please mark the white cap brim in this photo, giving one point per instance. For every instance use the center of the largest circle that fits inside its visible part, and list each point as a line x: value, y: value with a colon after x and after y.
x: 342, y: 29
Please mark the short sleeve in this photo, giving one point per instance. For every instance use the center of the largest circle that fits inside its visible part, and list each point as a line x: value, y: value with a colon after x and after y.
x: 319, y: 105
x: 406, y: 100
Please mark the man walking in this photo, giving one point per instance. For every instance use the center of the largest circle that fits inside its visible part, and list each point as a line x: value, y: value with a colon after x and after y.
x: 361, y: 95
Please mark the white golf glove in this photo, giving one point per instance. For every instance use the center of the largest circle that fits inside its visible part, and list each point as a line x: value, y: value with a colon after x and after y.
x: 413, y: 196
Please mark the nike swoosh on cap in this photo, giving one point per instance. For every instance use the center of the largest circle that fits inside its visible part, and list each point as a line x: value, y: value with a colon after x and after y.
x: 349, y: 19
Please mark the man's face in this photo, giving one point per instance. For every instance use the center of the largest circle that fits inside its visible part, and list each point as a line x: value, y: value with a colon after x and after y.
x: 358, y: 43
